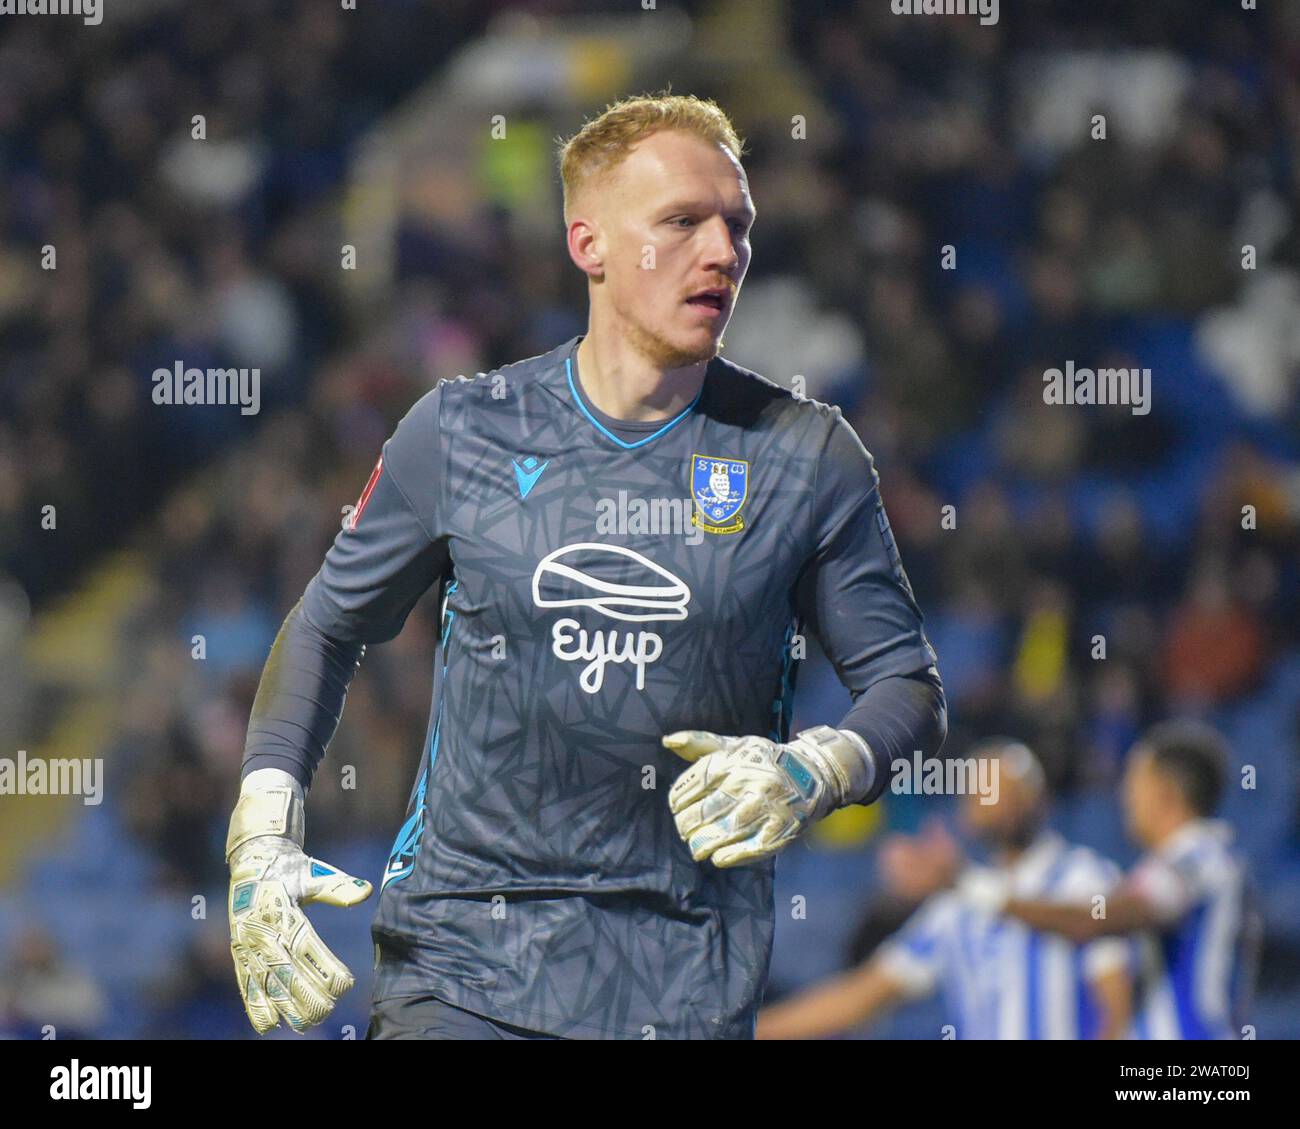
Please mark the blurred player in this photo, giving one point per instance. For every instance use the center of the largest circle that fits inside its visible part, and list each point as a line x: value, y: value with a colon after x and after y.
x: 999, y: 979
x: 1190, y: 894
x: 542, y: 884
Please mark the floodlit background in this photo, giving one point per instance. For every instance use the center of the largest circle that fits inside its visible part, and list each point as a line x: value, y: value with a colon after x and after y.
x: 373, y: 129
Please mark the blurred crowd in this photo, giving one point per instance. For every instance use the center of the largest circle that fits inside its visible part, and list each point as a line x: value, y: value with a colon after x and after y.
x: 207, y: 241
x: 1084, y: 570
x: 1071, y: 524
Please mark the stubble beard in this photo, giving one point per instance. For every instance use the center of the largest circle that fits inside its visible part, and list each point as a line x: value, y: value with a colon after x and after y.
x: 662, y: 353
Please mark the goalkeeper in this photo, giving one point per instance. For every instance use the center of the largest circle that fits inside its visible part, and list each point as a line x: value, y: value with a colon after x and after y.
x: 607, y: 773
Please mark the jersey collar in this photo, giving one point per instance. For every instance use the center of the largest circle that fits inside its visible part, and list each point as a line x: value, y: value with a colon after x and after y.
x: 570, y: 374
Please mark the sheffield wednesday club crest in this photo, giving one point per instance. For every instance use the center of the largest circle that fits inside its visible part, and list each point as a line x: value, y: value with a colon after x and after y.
x: 718, y: 487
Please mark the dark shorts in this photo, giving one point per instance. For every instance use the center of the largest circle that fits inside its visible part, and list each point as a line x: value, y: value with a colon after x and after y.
x: 425, y: 1017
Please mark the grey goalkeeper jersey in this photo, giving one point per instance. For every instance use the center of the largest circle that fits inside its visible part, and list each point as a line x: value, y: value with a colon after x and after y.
x: 601, y: 587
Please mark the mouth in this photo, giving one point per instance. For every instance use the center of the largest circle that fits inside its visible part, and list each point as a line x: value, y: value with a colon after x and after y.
x: 712, y: 301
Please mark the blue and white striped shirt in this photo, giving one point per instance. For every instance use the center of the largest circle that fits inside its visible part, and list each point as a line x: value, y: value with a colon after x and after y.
x: 1195, y: 971
x: 1001, y: 979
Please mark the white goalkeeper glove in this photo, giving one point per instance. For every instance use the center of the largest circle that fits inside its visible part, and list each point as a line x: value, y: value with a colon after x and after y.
x: 283, y: 968
x: 744, y: 798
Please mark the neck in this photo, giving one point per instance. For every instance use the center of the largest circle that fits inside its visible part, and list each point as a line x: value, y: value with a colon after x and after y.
x: 1008, y: 856
x: 625, y: 384
x: 1171, y: 826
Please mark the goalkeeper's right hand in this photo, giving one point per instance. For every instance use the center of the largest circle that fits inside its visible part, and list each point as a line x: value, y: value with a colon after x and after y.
x: 283, y: 968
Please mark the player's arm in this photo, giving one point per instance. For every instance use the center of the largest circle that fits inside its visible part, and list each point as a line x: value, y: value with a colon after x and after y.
x: 1107, y: 962
x: 745, y: 798
x: 1126, y: 910
x: 1112, y: 995
x: 380, y: 563
x: 856, y: 598
x: 836, y: 1005
x: 1156, y: 894
x: 906, y: 967
x: 1102, y: 911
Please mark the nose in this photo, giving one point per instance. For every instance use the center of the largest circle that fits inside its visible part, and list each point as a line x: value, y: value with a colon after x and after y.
x: 721, y: 254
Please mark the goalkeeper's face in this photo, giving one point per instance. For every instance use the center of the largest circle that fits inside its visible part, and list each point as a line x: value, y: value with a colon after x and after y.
x: 671, y: 223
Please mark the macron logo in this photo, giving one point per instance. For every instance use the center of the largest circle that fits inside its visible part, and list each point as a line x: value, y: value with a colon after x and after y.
x: 528, y: 474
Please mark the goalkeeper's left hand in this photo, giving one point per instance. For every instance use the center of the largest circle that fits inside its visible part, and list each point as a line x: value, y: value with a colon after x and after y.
x: 744, y: 798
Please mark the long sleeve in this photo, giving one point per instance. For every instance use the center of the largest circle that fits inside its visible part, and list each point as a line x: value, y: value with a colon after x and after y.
x: 383, y: 559
x: 299, y: 699
x: 897, y: 717
x: 857, y: 600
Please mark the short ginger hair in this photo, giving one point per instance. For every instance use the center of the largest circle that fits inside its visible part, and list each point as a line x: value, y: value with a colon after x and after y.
x: 600, y: 145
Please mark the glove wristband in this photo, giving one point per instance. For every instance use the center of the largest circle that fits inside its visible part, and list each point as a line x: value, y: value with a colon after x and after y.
x: 267, y: 811
x: 844, y: 760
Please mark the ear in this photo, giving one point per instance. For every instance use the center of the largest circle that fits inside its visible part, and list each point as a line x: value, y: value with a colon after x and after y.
x: 586, y: 246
